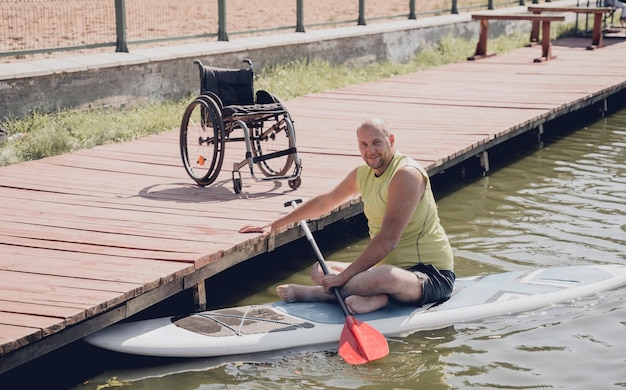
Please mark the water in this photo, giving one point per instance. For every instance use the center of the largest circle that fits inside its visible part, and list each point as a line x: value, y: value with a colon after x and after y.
x: 558, y: 205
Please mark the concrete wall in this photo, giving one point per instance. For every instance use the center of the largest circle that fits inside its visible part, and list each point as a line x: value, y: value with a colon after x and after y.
x: 118, y: 79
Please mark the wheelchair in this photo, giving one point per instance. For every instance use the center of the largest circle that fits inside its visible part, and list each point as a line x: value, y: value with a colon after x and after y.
x: 227, y: 103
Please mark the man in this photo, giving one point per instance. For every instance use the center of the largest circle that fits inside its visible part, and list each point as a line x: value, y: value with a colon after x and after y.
x: 408, y: 258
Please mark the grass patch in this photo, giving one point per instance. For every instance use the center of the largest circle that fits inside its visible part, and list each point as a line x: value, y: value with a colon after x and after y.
x: 70, y: 130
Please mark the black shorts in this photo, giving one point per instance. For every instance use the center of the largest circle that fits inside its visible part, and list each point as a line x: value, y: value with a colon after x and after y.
x: 438, y: 285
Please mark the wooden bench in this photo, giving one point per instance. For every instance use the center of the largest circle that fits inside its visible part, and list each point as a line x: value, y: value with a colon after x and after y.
x: 545, y: 20
x: 598, y: 12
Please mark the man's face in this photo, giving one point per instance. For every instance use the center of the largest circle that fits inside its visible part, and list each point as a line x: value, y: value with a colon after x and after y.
x: 376, y: 148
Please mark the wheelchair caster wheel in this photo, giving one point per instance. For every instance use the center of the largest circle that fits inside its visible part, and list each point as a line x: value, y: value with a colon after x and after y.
x: 237, y: 185
x: 295, y: 183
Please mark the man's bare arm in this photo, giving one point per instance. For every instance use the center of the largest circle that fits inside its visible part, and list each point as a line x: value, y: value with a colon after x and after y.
x: 405, y: 191
x: 313, y: 208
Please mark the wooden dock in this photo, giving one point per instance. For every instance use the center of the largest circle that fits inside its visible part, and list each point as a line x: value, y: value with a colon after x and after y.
x: 92, y: 237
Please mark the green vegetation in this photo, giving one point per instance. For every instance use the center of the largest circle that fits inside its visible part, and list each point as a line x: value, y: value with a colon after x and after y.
x: 71, y: 130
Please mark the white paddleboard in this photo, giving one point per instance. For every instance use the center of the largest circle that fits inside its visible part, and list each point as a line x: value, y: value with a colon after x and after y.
x: 274, y: 326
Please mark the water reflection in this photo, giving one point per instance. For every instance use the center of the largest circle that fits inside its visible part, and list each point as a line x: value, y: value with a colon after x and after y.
x: 563, y: 204
x: 570, y: 345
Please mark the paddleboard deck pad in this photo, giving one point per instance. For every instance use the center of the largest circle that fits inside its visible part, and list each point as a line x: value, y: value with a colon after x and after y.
x: 238, y: 321
x: 279, y: 325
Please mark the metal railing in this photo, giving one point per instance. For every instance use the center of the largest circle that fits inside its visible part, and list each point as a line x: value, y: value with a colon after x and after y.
x: 32, y: 27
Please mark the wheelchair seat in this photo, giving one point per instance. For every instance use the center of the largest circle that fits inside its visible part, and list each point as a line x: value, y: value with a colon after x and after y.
x: 253, y: 112
x: 227, y: 102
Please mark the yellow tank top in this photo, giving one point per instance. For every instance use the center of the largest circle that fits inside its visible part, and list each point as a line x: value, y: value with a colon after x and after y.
x: 424, y: 239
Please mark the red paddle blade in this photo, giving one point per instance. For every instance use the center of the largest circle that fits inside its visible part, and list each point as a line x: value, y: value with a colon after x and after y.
x: 360, y: 343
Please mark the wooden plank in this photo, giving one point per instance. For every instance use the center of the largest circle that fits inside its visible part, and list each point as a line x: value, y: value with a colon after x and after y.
x: 578, y: 10
x: 13, y: 337
x: 132, y: 277
x: 531, y: 17
x: 70, y: 315
x: 27, y: 287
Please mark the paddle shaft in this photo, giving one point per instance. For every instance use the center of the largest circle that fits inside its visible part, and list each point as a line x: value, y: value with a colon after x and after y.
x: 359, y: 342
x: 320, y: 258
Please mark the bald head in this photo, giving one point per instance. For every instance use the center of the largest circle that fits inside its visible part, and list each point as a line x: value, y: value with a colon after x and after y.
x: 375, y: 123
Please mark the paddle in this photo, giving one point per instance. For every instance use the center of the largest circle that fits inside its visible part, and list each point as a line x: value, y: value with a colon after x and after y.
x: 359, y: 342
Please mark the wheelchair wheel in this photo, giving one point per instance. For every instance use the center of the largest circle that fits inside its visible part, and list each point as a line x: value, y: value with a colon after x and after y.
x: 202, y: 141
x: 272, y: 136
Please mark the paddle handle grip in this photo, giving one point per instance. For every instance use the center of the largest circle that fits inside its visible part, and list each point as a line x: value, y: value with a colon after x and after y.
x: 320, y: 258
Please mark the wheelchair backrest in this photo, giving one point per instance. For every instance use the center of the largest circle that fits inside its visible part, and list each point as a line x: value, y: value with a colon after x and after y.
x: 233, y: 86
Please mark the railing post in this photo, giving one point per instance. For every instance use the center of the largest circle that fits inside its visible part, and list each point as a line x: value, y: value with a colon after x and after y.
x: 490, y: 4
x: 412, y: 9
x: 522, y: 2
x: 455, y: 9
x: 300, y: 16
x: 361, y: 21
x: 222, y: 35
x: 120, y: 26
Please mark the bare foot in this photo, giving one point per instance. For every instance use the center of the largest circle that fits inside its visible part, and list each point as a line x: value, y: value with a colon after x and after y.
x: 300, y: 293
x: 360, y: 305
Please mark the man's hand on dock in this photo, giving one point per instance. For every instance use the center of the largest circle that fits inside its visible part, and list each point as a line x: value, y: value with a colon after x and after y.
x: 265, y: 230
